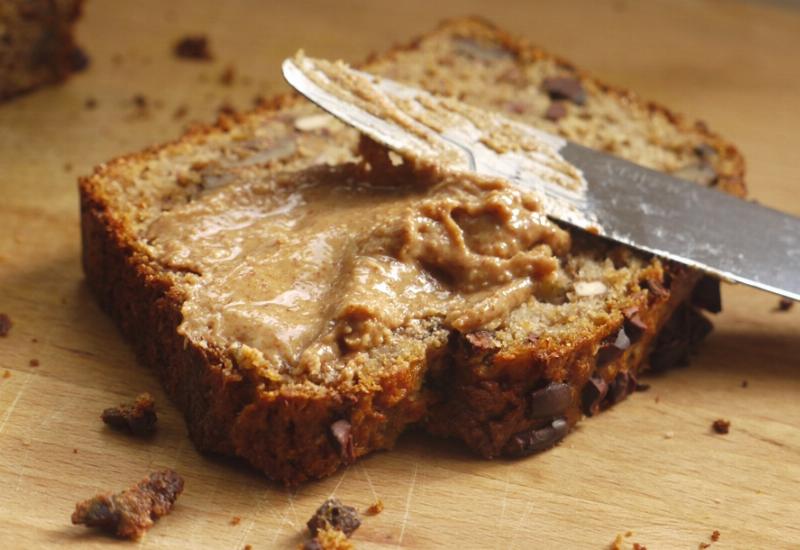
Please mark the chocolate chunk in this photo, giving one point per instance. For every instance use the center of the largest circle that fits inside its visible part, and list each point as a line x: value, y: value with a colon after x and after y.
x: 785, y: 304
x: 537, y: 439
x: 194, y: 47
x: 132, y: 512
x: 656, y: 289
x: 702, y: 173
x: 705, y: 151
x: 721, y: 426
x: 342, y: 432
x: 5, y: 324
x: 706, y: 294
x: 481, y: 339
x: 619, y: 389
x: 612, y: 348
x: 552, y: 400
x: 555, y: 111
x: 678, y: 338
x: 593, y: 393
x: 139, y: 418
x: 333, y: 514
x: 565, y: 87
x: 634, y: 326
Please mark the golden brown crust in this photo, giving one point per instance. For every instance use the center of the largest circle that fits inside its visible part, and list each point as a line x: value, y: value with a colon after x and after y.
x: 481, y: 396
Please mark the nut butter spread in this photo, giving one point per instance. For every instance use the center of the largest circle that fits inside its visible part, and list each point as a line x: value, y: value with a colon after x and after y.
x: 297, y: 273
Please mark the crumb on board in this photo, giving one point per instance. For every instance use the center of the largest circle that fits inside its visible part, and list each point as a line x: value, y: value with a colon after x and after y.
x: 784, y: 304
x: 5, y: 324
x: 193, y: 47
x: 132, y: 512
x: 721, y: 426
x: 7, y: 374
x: 140, y: 418
x: 375, y: 508
x: 235, y: 520
x: 715, y: 535
x: 637, y: 546
x: 745, y: 383
x: 33, y: 363
x: 669, y: 435
x: 228, y: 75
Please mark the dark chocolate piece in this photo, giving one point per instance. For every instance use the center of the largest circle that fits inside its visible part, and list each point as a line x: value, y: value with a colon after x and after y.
x: 634, y: 326
x: 593, y: 393
x: 342, y: 433
x: 565, y: 87
x: 619, y: 389
x: 139, y: 418
x: 552, y: 400
x: 656, y: 288
x: 537, y: 439
x: 132, y: 512
x: 5, y: 324
x: 613, y: 347
x: 335, y: 515
x: 679, y: 338
x: 555, y: 111
x: 193, y: 47
x: 706, y: 294
x: 721, y: 426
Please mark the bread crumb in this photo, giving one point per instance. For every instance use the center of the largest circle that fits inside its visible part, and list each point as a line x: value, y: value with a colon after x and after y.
x: 637, y: 546
x: 784, y: 305
x: 248, y: 547
x: 745, y: 383
x: 235, y: 520
x: 721, y: 426
x: 669, y: 435
x: 617, y: 544
x: 375, y: 508
x: 228, y: 76
x: 130, y: 513
x: 7, y: 374
x: 5, y: 324
x: 140, y: 418
x: 90, y: 103
x: 74, y: 451
x: 33, y: 362
x: 715, y: 535
x: 193, y: 47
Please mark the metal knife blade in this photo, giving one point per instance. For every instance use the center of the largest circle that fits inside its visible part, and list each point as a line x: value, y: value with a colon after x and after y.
x: 735, y: 240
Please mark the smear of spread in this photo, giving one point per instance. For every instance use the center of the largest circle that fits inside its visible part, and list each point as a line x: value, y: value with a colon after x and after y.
x: 297, y: 274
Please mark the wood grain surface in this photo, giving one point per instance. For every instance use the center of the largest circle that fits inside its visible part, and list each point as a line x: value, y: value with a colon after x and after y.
x: 651, y: 465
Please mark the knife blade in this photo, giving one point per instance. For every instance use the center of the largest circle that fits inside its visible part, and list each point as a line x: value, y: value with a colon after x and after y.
x: 735, y: 240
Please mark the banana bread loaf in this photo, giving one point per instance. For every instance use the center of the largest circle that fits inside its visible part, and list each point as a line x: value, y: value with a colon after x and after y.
x: 202, y: 249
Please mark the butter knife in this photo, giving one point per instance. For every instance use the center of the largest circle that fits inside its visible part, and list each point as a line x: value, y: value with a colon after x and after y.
x: 735, y: 240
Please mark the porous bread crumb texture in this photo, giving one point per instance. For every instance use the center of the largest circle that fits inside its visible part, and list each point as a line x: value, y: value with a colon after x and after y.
x: 36, y: 43
x: 476, y: 387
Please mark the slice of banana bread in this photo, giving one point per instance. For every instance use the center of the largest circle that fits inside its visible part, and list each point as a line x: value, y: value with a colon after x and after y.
x: 182, y: 246
x: 36, y: 43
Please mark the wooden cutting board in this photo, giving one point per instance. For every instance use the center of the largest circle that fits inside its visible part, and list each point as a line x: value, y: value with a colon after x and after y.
x: 651, y: 465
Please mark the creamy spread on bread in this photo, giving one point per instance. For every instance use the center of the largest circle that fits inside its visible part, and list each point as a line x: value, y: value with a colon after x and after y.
x: 296, y: 273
